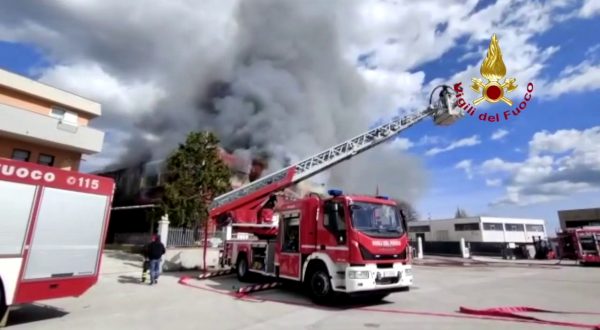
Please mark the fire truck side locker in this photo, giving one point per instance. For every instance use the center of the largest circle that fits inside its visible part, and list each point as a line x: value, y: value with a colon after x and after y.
x: 52, y: 231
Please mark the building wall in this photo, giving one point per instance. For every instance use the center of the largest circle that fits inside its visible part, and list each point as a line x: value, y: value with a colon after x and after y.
x: 37, y: 105
x: 67, y: 160
x: 41, y: 119
x: 444, y: 230
x: 579, y: 218
x: 491, y: 229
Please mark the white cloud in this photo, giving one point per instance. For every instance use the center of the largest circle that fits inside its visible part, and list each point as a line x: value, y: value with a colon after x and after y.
x: 499, y: 134
x: 429, y: 140
x: 498, y: 165
x: 390, y: 90
x: 493, y: 182
x: 559, y: 164
x: 583, y: 77
x: 590, y: 8
x: 466, y: 165
x: 465, y: 142
x: 400, y: 144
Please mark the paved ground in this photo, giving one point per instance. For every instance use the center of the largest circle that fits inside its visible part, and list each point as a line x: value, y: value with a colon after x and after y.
x: 442, y: 285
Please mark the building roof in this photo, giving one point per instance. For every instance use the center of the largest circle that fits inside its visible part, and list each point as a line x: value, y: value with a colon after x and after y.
x: 476, y: 219
x: 37, y: 89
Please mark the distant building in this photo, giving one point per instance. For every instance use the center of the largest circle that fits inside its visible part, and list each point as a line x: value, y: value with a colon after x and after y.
x: 478, y: 229
x: 46, y: 125
x: 579, y: 218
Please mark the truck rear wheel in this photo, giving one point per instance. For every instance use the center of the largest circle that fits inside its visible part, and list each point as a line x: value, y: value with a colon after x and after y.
x: 241, y: 268
x: 319, y: 286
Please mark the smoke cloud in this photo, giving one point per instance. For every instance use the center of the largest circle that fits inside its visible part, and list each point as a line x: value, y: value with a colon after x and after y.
x: 270, y: 77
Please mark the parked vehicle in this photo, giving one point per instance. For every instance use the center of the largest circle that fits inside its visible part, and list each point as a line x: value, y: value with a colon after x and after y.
x: 52, y: 232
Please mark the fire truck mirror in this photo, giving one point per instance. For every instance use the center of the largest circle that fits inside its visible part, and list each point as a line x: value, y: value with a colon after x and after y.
x: 403, y: 218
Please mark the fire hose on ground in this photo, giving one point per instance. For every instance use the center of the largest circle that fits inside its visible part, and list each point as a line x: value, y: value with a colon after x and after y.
x: 506, y: 314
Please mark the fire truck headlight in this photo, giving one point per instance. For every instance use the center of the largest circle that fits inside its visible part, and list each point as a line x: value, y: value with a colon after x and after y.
x: 358, y: 274
x: 408, y: 271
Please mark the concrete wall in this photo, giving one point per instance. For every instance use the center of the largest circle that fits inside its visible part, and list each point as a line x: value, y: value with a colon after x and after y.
x: 177, y: 259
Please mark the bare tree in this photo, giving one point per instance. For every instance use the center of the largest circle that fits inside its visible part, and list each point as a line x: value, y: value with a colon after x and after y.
x: 460, y: 213
x: 409, y: 211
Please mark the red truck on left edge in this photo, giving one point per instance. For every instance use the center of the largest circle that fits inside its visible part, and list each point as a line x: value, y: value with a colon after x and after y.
x: 52, y: 232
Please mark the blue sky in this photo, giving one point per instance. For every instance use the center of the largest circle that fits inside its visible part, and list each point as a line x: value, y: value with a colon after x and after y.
x: 529, y: 166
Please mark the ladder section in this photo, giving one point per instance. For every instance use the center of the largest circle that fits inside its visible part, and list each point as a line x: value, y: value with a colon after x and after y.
x: 323, y: 160
x: 444, y: 112
x: 332, y: 156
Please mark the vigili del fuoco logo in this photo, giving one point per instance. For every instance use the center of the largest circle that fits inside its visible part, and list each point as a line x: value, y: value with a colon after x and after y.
x: 494, y: 89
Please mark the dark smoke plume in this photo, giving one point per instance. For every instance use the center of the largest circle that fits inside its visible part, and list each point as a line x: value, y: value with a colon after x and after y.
x: 270, y: 77
x: 286, y: 94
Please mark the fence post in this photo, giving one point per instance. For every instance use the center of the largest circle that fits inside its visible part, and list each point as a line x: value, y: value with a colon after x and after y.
x: 163, y: 229
x: 464, y: 251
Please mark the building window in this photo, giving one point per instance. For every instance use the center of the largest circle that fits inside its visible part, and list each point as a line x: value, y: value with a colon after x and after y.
x: 466, y: 226
x: 20, y: 154
x: 514, y: 227
x: 420, y: 229
x: 45, y: 159
x: 492, y: 226
x: 581, y: 223
x: 64, y: 116
x: 57, y: 112
x: 539, y: 228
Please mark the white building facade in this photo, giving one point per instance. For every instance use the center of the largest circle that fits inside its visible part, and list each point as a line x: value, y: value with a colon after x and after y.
x: 479, y: 229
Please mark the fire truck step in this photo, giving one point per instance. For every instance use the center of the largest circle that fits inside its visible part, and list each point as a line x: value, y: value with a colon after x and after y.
x: 257, y: 287
x: 215, y: 274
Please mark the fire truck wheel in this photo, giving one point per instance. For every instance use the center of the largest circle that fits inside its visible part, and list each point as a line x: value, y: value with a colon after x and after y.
x: 241, y: 268
x: 319, y: 286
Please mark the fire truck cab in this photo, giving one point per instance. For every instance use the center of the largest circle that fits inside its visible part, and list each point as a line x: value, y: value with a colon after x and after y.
x: 337, y: 244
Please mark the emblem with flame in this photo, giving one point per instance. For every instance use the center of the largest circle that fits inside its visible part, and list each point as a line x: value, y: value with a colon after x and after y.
x: 493, y: 69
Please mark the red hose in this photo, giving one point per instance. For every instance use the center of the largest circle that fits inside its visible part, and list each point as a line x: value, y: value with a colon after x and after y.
x: 510, y: 312
x: 506, y: 314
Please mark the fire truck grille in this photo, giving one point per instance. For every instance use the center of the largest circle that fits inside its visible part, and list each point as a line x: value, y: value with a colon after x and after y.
x: 366, y: 255
x: 387, y: 280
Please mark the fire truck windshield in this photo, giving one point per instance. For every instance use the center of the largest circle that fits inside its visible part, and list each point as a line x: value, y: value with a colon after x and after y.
x: 376, y: 219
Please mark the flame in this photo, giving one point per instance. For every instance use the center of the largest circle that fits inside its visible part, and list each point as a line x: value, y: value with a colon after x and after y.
x: 493, y: 67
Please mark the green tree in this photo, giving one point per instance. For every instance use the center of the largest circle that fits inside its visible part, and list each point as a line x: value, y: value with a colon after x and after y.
x: 195, y: 175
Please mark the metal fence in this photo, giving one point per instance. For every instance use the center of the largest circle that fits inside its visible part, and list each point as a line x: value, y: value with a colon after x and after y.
x: 187, y: 237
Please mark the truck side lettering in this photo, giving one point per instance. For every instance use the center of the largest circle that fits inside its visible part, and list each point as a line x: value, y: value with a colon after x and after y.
x: 23, y: 172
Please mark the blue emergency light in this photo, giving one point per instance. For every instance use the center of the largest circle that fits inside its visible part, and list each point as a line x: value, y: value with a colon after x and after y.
x: 382, y: 197
x: 335, y: 192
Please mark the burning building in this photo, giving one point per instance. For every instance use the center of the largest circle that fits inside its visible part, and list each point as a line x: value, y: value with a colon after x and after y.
x: 139, y: 187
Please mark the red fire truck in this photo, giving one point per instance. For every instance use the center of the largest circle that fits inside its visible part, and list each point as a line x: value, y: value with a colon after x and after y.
x: 337, y: 244
x: 52, y: 232
x: 581, y: 244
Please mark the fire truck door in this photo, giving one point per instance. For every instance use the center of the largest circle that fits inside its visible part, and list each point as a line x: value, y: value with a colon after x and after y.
x: 289, y: 256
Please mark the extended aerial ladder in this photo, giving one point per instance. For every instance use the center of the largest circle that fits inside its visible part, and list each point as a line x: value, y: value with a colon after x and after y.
x: 250, y: 196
